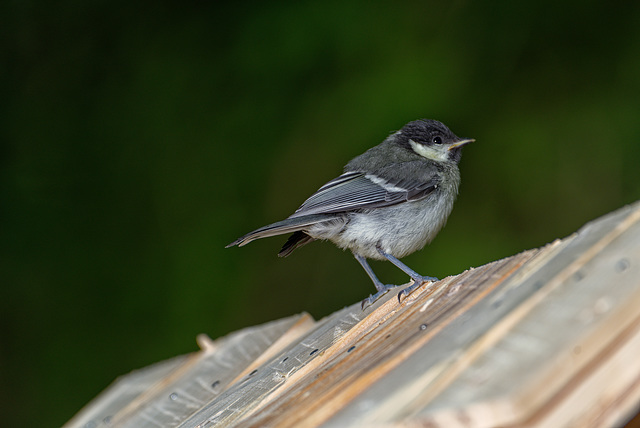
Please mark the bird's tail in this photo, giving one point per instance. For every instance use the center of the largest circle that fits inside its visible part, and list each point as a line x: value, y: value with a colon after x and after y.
x: 287, y: 225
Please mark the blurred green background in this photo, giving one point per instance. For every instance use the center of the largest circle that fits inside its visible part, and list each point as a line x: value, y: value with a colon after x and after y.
x: 138, y: 139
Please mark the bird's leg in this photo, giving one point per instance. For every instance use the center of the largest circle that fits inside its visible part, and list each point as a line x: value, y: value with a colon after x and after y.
x: 418, y: 279
x: 382, y: 288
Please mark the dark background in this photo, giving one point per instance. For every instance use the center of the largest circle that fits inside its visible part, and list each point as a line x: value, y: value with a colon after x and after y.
x: 138, y: 139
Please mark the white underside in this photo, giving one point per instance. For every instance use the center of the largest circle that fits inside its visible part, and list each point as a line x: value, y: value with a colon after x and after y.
x: 399, y: 230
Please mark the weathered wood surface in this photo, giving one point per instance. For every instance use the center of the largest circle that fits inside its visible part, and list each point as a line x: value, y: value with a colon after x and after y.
x: 549, y: 337
x: 165, y: 394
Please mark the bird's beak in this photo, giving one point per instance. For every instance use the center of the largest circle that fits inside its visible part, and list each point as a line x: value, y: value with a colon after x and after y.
x: 460, y: 143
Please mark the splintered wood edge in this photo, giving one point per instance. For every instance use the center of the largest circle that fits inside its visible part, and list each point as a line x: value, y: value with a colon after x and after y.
x: 370, y: 333
x: 487, y: 279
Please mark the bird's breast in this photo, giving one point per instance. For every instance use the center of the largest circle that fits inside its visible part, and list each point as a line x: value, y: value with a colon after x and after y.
x: 399, y: 230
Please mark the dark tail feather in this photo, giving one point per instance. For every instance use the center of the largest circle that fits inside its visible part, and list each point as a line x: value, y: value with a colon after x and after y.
x: 279, y: 228
x: 297, y: 240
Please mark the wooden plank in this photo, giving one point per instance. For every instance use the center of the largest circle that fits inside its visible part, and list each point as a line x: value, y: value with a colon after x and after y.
x: 578, y: 321
x: 121, y: 392
x: 392, y: 374
x: 295, y: 362
x: 388, y: 336
x: 604, y: 392
x: 168, y: 396
x: 439, y: 385
x: 548, y: 337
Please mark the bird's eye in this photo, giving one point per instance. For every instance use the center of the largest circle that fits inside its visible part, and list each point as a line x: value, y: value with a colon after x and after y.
x: 437, y: 140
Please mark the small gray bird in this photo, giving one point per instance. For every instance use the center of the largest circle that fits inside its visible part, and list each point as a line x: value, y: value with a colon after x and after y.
x: 391, y: 201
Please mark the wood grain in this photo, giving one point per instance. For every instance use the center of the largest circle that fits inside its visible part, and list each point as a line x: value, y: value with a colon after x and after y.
x: 548, y: 337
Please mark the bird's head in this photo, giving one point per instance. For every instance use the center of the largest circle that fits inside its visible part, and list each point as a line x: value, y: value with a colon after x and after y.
x: 431, y: 140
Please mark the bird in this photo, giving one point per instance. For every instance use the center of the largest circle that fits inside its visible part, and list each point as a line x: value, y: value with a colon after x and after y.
x: 390, y: 201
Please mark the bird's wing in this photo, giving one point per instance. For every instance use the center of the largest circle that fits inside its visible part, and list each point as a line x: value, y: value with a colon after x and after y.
x: 358, y: 190
x: 349, y: 192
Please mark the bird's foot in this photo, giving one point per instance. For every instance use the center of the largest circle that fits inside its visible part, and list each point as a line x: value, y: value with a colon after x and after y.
x: 417, y: 282
x: 374, y: 297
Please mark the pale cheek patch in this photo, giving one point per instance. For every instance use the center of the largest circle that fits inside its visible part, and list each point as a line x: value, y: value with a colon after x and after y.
x: 429, y: 152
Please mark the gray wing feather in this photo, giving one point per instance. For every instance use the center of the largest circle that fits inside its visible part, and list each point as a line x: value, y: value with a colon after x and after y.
x: 287, y: 225
x: 357, y: 190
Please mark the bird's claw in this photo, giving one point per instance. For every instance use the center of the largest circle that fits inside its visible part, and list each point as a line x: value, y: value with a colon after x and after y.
x: 403, y: 293
x: 374, y: 297
x: 367, y: 302
x: 417, y: 282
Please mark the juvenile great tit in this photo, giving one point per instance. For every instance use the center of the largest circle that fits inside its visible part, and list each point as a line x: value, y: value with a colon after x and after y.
x: 391, y: 201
